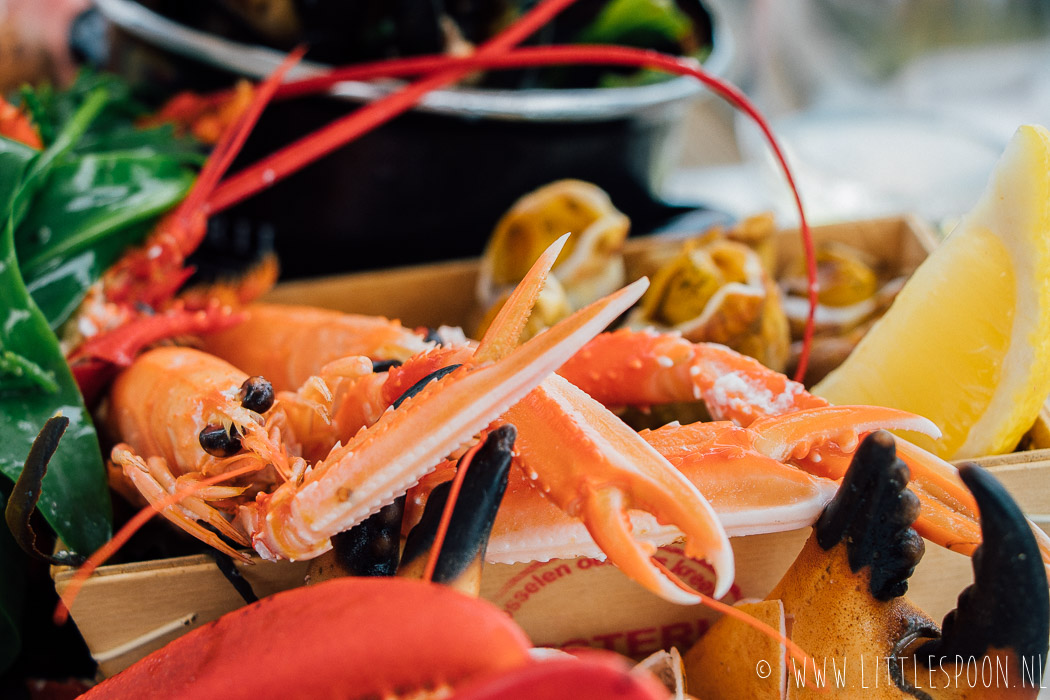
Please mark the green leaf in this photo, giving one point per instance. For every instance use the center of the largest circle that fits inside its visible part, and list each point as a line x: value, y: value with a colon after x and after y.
x: 50, y: 110
x: 14, y: 157
x: 92, y: 208
x: 36, y: 172
x: 75, y: 499
x: 18, y: 372
x: 621, y: 19
x: 114, y: 128
x: 59, y: 286
x: 155, y: 141
x: 90, y: 197
x: 12, y: 592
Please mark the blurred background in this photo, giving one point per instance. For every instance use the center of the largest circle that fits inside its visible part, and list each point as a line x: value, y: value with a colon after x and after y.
x: 885, y: 107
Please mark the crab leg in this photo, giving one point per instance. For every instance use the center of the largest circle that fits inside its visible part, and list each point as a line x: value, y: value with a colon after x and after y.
x: 382, y: 461
x: 643, y: 368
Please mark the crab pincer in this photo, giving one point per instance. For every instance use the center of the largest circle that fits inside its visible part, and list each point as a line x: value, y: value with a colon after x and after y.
x: 1005, y: 614
x: 845, y: 596
x: 643, y: 368
x: 461, y: 552
x: 594, y: 466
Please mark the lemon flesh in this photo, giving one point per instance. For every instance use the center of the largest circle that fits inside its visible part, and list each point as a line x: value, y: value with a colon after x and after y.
x: 967, y: 341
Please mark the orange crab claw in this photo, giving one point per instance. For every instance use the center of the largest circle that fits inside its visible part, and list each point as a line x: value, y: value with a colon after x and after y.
x: 736, y: 469
x: 780, y: 437
x: 949, y: 515
x: 752, y: 492
x: 645, y: 367
x: 592, y: 465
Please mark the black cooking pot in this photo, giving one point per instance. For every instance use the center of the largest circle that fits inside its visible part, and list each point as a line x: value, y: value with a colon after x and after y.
x: 431, y: 184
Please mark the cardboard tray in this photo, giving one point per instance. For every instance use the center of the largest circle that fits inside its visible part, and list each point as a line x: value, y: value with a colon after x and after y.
x: 126, y: 611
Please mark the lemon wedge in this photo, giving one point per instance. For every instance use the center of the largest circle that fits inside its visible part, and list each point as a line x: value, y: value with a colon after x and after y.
x: 967, y: 341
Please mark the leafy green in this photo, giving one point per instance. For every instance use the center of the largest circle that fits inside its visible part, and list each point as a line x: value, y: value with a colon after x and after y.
x: 67, y: 213
x: 636, y: 22
x: 93, y: 207
x: 14, y: 157
x: 115, y: 128
x: 38, y: 169
x: 75, y: 496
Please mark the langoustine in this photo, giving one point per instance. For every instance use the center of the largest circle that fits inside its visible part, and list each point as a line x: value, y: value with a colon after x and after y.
x: 666, y: 492
x: 170, y: 396
x: 596, y: 468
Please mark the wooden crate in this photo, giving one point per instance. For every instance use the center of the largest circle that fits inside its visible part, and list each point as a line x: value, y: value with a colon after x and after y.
x: 126, y: 611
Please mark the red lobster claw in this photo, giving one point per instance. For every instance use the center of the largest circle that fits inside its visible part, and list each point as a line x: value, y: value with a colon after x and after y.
x: 590, y: 674
x: 347, y: 638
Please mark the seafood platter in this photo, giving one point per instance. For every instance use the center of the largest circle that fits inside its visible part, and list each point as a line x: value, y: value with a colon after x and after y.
x: 740, y: 462
x: 552, y: 606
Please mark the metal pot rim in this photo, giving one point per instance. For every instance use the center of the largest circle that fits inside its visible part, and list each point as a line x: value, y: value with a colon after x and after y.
x: 594, y: 104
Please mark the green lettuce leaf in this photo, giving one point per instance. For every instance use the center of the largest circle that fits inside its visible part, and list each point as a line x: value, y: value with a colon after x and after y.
x: 75, y: 495
x: 93, y: 207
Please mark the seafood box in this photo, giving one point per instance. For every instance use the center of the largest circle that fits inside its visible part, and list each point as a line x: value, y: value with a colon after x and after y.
x: 125, y: 611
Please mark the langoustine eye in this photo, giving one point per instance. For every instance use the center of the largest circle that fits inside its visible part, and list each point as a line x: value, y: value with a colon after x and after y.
x: 216, y: 441
x: 257, y: 394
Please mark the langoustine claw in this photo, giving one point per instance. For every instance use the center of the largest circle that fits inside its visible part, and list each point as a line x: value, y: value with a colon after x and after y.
x: 593, y: 466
